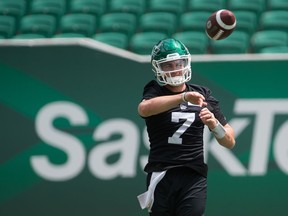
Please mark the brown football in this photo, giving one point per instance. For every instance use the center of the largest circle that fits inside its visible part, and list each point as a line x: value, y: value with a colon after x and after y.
x: 220, y: 24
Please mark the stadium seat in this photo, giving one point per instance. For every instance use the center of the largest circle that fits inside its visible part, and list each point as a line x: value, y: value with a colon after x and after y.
x: 28, y: 36
x: 69, y: 35
x: 274, y: 20
x: 256, y: 6
x: 7, y: 26
x: 196, y: 42
x: 172, y: 6
x: 236, y: 43
x: 116, y: 39
x: 268, y: 38
x: 118, y: 22
x: 205, y: 5
x: 52, y: 7
x: 277, y: 5
x: 143, y: 42
x: 15, y: 8
x: 158, y: 22
x: 194, y: 21
x: 246, y: 21
x: 136, y: 7
x: 274, y: 49
x: 78, y: 23
x: 38, y: 23
x: 95, y: 7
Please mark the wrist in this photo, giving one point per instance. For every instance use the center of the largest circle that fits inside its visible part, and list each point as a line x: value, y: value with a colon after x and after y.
x: 219, y: 131
x: 183, y: 96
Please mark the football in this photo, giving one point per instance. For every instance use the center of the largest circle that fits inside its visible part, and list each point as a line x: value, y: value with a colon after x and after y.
x: 220, y: 24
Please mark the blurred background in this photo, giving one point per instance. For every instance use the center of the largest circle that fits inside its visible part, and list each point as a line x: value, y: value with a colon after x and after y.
x: 72, y: 73
x: 136, y: 24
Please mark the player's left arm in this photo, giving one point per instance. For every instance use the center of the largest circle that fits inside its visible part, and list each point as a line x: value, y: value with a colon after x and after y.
x: 223, y: 133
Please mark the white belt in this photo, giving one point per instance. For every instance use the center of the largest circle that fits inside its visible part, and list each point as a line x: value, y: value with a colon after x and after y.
x: 146, y: 199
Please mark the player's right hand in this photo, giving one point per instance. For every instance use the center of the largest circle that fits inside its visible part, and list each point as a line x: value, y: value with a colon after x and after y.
x: 196, y: 98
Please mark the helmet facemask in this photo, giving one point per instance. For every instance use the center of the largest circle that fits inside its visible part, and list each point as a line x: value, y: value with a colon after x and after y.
x: 173, y: 70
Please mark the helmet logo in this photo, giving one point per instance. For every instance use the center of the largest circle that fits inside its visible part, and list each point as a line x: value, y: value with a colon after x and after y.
x: 156, y: 50
x: 173, y: 56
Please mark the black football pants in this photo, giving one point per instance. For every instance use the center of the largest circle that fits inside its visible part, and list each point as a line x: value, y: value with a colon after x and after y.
x: 182, y: 192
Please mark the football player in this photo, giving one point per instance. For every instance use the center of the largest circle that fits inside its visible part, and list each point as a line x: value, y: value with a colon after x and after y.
x: 175, y: 113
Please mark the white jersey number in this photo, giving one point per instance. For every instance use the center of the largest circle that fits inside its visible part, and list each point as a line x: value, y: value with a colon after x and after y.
x: 190, y: 118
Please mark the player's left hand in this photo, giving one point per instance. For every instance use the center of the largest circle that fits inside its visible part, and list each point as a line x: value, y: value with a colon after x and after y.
x: 208, y: 118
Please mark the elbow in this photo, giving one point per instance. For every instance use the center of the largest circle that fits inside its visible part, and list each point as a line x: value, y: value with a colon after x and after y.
x: 231, y: 144
x: 143, y: 109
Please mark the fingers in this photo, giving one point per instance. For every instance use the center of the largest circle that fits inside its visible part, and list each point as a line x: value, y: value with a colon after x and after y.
x: 196, y: 98
x: 204, y: 104
x: 205, y: 114
x: 208, y: 118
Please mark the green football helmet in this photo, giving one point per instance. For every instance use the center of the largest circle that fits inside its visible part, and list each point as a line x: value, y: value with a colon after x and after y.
x: 171, y: 62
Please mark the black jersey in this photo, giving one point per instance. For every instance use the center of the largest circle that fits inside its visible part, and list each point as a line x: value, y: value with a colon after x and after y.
x: 176, y: 135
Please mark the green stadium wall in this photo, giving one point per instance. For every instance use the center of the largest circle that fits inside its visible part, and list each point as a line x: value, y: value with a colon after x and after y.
x: 72, y: 143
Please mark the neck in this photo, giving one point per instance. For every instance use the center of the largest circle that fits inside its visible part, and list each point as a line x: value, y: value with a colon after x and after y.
x: 179, y: 88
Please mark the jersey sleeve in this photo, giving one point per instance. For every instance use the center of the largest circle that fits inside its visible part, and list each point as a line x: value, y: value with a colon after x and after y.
x: 151, y: 90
